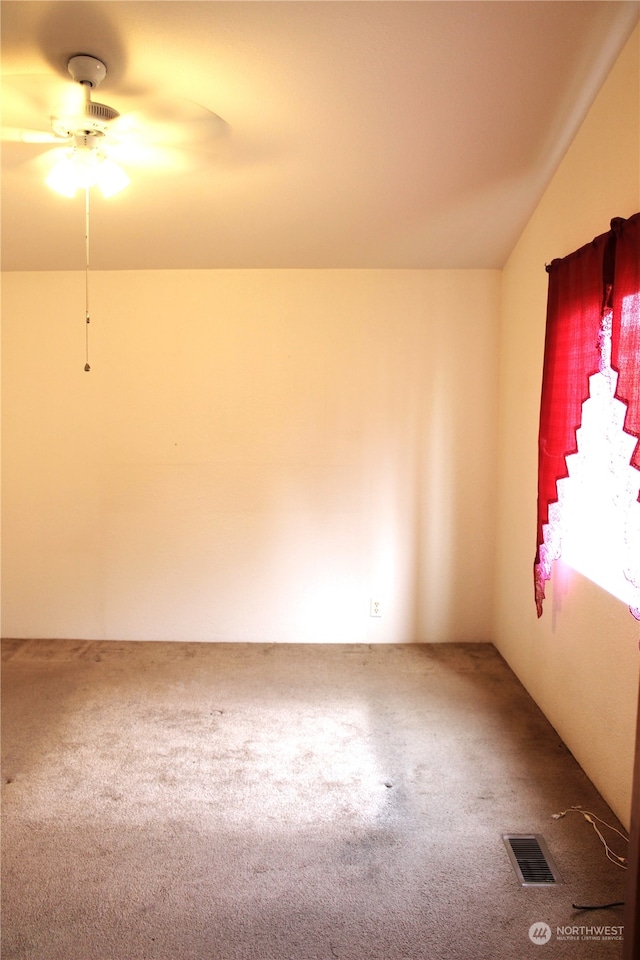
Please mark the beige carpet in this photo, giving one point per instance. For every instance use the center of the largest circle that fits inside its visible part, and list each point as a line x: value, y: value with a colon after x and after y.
x: 247, y: 802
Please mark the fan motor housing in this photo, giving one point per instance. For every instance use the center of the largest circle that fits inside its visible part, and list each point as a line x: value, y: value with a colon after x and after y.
x: 100, y: 111
x: 95, y: 118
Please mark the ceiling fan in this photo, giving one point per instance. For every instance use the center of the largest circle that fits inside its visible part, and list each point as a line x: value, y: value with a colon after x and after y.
x: 92, y: 143
x: 86, y: 142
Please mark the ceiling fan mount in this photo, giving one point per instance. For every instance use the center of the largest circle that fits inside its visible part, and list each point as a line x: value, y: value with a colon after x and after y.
x: 86, y: 69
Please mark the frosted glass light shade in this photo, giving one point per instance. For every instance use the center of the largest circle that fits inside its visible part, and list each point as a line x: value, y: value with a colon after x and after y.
x: 111, y: 178
x: 86, y: 168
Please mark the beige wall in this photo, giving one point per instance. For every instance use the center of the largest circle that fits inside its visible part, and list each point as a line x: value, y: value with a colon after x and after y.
x: 580, y: 660
x: 254, y: 455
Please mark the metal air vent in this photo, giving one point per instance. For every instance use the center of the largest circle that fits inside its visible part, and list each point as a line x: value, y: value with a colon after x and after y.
x: 531, y: 860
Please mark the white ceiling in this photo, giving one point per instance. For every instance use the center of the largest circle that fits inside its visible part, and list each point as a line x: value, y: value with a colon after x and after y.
x: 400, y: 134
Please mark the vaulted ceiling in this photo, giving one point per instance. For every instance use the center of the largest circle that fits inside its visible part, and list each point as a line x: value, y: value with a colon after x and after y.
x: 358, y: 134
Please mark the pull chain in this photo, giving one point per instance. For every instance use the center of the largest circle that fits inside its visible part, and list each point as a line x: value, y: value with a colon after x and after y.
x: 86, y: 277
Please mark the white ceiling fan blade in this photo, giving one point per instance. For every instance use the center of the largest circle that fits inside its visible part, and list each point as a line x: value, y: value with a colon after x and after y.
x: 170, y: 121
x: 29, y: 101
x: 18, y: 153
x: 150, y: 158
x: 18, y: 135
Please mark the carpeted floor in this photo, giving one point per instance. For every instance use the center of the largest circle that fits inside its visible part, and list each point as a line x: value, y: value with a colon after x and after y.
x: 282, y: 802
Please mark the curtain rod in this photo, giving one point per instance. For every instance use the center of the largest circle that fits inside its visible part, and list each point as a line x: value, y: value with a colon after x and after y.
x: 614, y: 225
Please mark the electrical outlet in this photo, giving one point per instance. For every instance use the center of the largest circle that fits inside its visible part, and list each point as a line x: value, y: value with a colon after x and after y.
x: 375, y: 610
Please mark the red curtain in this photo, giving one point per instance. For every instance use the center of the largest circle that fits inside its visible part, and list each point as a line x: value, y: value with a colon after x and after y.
x: 580, y: 287
x: 625, y: 332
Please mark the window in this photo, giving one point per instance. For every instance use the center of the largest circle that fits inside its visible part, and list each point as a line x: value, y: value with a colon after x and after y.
x: 589, y: 438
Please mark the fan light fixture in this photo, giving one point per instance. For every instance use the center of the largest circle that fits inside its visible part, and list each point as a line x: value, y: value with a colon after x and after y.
x: 84, y: 166
x: 85, y: 137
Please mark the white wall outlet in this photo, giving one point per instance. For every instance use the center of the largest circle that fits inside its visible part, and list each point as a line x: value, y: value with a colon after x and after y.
x: 375, y: 608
